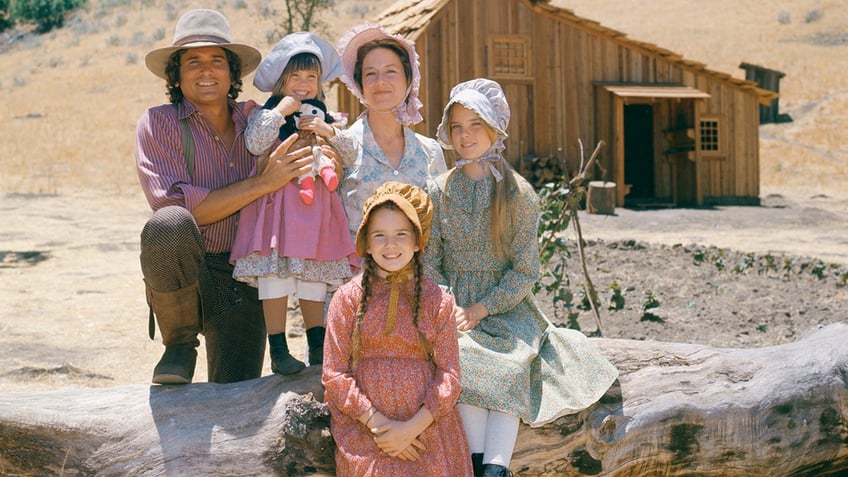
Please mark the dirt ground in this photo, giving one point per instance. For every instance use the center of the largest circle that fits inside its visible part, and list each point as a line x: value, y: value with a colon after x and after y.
x: 72, y: 311
x: 725, y: 276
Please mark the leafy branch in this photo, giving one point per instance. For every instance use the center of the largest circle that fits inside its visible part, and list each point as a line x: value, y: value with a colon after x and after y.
x: 560, y: 206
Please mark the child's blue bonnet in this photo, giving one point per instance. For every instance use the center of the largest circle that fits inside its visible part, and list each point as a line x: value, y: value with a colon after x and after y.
x: 274, y: 64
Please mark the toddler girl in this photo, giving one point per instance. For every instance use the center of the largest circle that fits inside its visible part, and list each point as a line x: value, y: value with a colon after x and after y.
x: 285, y: 246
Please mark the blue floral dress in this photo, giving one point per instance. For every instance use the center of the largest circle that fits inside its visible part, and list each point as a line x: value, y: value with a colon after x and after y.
x: 366, y: 167
x: 514, y: 361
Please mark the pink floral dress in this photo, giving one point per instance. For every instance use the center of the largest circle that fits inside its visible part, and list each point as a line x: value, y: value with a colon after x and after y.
x: 394, y: 375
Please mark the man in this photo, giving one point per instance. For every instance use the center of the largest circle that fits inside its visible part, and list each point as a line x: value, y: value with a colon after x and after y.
x: 195, y: 170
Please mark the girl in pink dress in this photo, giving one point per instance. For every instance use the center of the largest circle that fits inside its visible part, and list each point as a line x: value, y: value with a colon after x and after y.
x: 284, y: 245
x: 391, y: 361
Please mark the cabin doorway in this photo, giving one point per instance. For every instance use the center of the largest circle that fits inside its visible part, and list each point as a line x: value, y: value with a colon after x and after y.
x: 639, y: 170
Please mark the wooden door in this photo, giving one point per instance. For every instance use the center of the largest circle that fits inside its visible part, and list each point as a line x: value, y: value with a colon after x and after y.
x: 639, y: 167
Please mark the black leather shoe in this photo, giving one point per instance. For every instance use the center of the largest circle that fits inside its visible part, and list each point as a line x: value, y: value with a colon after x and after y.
x: 495, y: 470
x: 477, y: 464
x: 285, y: 364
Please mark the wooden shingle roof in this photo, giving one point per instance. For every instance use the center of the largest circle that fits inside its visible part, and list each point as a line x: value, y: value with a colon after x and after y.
x: 410, y: 18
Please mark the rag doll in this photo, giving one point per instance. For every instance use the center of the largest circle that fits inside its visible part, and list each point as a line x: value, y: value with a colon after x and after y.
x: 322, y: 165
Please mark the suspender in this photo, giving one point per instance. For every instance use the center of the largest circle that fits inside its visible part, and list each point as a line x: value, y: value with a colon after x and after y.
x: 188, y: 145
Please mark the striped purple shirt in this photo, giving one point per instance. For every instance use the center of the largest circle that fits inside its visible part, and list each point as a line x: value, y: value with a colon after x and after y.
x: 162, y: 167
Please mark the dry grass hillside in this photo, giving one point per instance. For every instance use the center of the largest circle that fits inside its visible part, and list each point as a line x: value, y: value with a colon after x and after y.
x: 71, y: 97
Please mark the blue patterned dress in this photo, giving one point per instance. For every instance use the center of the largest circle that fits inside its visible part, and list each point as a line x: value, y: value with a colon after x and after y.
x: 366, y: 167
x: 514, y: 361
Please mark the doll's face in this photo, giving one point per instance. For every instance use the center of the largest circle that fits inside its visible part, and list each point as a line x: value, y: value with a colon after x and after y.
x: 310, y: 110
x: 307, y: 111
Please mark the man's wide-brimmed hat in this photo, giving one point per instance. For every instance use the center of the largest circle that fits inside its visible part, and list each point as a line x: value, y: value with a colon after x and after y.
x: 199, y: 28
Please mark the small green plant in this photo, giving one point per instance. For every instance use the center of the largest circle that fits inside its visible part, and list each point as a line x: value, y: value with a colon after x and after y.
x: 585, y: 303
x: 650, y: 303
x: 762, y: 328
x: 719, y: 261
x: 813, y: 16
x: 767, y: 263
x: 842, y: 276
x: 788, y: 266
x: 616, y: 299
x: 818, y: 268
x: 699, y: 256
x: 746, y: 263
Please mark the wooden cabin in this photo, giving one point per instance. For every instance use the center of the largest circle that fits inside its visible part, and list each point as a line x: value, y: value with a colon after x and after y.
x: 769, y: 79
x: 675, y: 132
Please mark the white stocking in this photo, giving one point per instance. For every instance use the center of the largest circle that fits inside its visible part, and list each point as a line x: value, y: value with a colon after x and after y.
x: 474, y: 420
x: 501, y: 433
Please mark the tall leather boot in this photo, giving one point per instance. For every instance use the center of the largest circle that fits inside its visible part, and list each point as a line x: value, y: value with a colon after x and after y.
x: 315, y: 341
x: 178, y: 314
x: 282, y: 362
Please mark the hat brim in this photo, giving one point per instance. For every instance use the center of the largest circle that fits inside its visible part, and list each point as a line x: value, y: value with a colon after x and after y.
x: 157, y: 60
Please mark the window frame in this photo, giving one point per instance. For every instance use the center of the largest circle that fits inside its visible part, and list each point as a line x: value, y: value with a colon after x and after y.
x: 705, y: 123
x: 511, y: 42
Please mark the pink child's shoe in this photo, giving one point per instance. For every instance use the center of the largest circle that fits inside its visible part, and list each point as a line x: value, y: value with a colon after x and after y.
x: 331, y: 180
x: 307, y: 190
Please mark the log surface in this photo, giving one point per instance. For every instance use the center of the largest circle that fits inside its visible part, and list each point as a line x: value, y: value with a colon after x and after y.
x: 677, y: 409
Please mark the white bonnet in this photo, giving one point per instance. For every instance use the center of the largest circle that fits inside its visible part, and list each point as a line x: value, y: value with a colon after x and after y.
x: 486, y: 98
x: 274, y: 64
x: 407, y: 113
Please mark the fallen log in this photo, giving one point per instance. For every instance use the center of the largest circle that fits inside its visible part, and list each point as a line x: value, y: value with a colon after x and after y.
x: 677, y: 409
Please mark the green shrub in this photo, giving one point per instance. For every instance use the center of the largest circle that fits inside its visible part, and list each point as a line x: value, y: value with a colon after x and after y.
x: 46, y: 14
x: 5, y: 18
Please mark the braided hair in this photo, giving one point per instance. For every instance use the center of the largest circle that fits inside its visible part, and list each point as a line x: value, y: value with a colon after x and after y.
x: 369, y: 276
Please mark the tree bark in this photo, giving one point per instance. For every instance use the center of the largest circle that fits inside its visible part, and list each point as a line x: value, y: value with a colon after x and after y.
x: 600, y: 198
x: 677, y: 409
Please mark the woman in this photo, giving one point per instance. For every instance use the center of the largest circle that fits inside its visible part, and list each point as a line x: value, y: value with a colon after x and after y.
x: 382, y: 70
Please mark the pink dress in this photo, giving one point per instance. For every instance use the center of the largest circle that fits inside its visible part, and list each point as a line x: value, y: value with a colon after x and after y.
x: 396, y: 377
x: 279, y: 235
